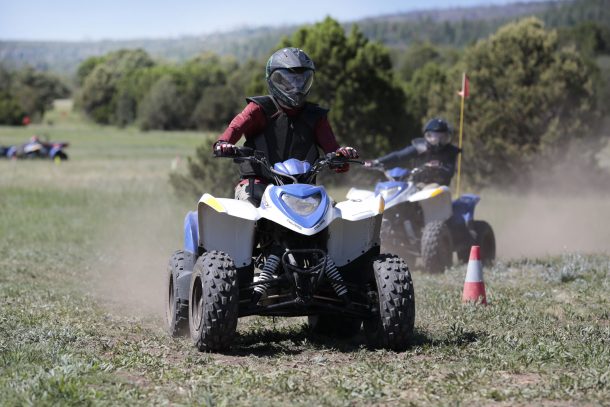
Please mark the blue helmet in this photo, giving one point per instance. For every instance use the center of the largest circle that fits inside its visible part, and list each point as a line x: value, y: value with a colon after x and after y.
x: 437, y: 133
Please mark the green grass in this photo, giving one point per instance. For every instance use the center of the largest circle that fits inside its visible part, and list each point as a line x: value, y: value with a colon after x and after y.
x: 83, y: 246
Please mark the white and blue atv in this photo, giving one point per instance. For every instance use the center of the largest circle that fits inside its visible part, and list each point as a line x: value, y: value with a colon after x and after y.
x: 297, y: 254
x: 421, y: 220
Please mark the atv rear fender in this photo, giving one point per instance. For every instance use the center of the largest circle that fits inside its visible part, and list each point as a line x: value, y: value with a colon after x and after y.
x: 464, y: 206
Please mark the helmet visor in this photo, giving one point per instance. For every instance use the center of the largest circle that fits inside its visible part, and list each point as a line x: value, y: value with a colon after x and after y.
x: 292, y: 82
x: 437, y: 138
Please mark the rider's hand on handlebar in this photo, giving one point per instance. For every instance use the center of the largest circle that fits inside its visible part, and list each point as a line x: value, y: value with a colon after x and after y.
x: 347, y: 152
x: 224, y: 149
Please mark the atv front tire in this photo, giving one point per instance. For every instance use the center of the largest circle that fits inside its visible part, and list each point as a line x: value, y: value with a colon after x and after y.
x: 392, y: 325
x: 214, y: 302
x: 436, y: 247
x: 334, y: 325
x: 176, y: 309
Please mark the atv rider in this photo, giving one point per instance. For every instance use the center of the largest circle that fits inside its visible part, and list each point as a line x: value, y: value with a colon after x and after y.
x: 433, y: 155
x: 282, y: 125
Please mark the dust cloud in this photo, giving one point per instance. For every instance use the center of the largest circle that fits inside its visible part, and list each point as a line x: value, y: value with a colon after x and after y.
x: 131, y: 260
x: 565, y: 209
x: 535, y: 224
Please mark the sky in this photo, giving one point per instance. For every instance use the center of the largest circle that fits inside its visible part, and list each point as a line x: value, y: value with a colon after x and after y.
x: 126, y: 19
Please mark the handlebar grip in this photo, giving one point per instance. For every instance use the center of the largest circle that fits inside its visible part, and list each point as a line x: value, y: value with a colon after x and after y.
x: 239, y: 152
x: 245, y: 151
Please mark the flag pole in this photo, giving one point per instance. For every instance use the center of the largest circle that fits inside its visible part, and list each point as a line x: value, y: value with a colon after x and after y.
x: 459, y: 166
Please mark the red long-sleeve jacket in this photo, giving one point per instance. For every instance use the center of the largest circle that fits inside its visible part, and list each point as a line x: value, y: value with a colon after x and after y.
x: 252, y: 121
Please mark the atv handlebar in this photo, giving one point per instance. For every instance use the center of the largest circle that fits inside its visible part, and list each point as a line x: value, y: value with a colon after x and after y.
x: 330, y: 160
x: 413, y: 173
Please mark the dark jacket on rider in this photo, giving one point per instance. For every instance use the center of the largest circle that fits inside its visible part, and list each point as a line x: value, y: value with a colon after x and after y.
x: 280, y: 133
x: 444, y: 157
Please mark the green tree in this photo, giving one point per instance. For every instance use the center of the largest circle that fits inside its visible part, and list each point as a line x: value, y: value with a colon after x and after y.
x: 100, y: 84
x: 85, y: 68
x: 529, y: 100
x: 215, y: 109
x: 35, y: 91
x: 206, y: 174
x: 415, y: 57
x: 11, y: 112
x: 590, y: 38
x: 164, y: 107
x: 427, y: 87
x: 354, y: 77
x: 134, y: 86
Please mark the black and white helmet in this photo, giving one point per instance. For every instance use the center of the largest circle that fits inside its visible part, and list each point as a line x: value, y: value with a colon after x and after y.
x: 289, y: 74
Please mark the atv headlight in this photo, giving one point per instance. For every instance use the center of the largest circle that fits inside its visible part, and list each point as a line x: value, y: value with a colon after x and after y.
x: 389, y: 193
x: 302, y: 206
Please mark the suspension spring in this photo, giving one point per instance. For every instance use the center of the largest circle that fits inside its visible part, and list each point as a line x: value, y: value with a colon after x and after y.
x: 333, y: 273
x: 270, y: 268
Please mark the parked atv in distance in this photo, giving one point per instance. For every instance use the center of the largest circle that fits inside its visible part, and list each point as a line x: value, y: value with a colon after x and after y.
x: 297, y: 254
x: 421, y: 220
x: 35, y: 148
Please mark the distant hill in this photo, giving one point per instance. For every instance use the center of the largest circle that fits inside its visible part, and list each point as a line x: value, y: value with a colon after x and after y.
x: 455, y: 27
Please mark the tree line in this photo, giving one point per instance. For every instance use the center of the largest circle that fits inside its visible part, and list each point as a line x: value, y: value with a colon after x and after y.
x: 536, y: 91
x: 26, y: 94
x: 537, y: 97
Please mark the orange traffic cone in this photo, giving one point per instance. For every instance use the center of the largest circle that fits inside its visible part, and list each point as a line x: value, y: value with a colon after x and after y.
x: 474, y: 287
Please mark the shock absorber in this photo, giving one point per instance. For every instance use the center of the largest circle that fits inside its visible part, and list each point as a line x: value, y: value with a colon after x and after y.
x: 269, y: 269
x: 337, y: 284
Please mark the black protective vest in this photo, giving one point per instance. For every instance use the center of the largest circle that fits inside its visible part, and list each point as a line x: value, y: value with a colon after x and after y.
x: 446, y: 156
x: 284, y: 136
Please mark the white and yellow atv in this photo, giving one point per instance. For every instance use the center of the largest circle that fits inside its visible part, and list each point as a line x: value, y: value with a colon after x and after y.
x: 297, y: 254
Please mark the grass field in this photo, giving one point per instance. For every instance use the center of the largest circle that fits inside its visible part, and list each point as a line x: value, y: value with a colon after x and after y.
x: 83, y: 247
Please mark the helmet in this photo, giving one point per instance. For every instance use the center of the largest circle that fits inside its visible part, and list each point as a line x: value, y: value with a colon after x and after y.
x: 289, y: 74
x: 437, y: 133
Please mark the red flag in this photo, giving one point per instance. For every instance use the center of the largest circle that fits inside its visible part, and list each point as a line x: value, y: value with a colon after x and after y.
x: 465, y: 92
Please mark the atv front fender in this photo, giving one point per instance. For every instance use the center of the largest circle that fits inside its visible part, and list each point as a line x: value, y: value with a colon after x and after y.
x: 227, y: 225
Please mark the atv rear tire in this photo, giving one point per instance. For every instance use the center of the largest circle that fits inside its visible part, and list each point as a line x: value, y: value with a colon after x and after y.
x: 62, y: 156
x: 214, y: 302
x: 176, y: 309
x: 436, y: 247
x: 486, y: 240
x: 392, y: 326
x: 334, y: 325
